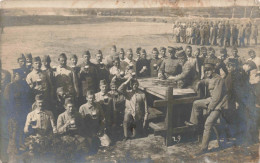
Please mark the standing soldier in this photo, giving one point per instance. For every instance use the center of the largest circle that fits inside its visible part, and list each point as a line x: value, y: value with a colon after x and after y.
x: 221, y: 34
x: 207, y: 33
x: 109, y: 58
x: 155, y: 63
x: 227, y: 35
x: 129, y: 60
x: 88, y: 76
x: 136, y: 109
x: 23, y: 71
x: 214, y: 34
x: 177, y: 33
x: 169, y: 66
x: 255, y: 33
x: 188, y: 34
x: 248, y: 34
x: 138, y: 53
x: 197, y: 35
x: 202, y: 35
x: 193, y: 34
x: 143, y: 65
x: 94, y: 122
x: 103, y: 73
x: 241, y: 36
x: 65, y: 77
x: 183, y: 34
x: 39, y: 81
x: 46, y: 62
x: 28, y: 58
x: 74, y: 62
x: 162, y: 53
x: 234, y: 35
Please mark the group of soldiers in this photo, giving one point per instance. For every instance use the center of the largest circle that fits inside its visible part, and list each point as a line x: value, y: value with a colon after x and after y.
x: 221, y: 33
x: 91, y: 103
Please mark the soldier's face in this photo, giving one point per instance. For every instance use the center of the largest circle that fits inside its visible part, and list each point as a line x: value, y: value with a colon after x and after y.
x: 113, y: 87
x: 70, y: 108
x: 103, y: 88
x: 252, y: 55
x: 99, y: 57
x: 62, y: 61
x: 74, y: 61
x: 86, y: 57
x: 155, y: 54
x: 113, y: 50
x: 39, y: 104
x: 122, y: 55
x: 188, y: 52
x: 211, y: 53
x: 37, y: 65
x: 21, y: 62
x: 116, y: 63
x: 46, y: 64
x: 143, y: 55
x: 162, y: 52
x: 234, y: 52
x: 17, y: 77
x: 90, y: 98
x: 208, y: 73
x: 135, y: 86
x: 28, y: 61
x: 129, y: 55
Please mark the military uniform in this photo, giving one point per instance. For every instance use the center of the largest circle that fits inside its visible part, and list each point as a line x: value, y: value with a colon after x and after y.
x: 154, y: 66
x: 140, y: 71
x: 227, y: 36
x: 241, y: 36
x: 255, y: 34
x: 170, y: 66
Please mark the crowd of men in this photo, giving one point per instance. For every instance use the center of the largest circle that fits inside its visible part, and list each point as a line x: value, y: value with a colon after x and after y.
x: 90, y: 104
x: 218, y: 33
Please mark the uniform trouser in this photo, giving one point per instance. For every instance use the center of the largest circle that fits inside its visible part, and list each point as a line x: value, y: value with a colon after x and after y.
x: 241, y: 41
x: 197, y: 110
x: 177, y: 39
x: 202, y: 41
x: 248, y: 40
x: 132, y: 125
x: 220, y: 41
x: 227, y: 42
x: 210, y: 121
x: 233, y: 41
x: 213, y: 41
x: 193, y: 40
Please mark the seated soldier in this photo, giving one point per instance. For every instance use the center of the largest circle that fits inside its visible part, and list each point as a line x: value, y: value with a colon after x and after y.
x: 143, y: 65
x: 210, y: 107
x: 70, y: 125
x: 39, y: 126
x: 94, y: 122
x: 188, y: 75
x: 105, y: 102
x: 155, y: 63
x: 169, y: 66
x: 136, y: 109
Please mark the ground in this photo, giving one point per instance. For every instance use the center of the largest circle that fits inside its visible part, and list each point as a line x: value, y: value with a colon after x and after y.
x: 74, y: 39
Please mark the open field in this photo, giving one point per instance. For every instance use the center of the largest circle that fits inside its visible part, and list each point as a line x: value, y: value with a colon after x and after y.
x: 74, y: 39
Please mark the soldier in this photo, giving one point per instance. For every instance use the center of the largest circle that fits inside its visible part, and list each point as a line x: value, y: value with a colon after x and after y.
x: 248, y: 34
x: 234, y: 35
x: 109, y: 59
x: 183, y: 34
x: 221, y: 35
x: 177, y: 31
x: 155, y: 63
x: 116, y: 70
x: 143, y: 65
x: 105, y: 102
x: 169, y: 66
x: 207, y: 33
x: 138, y: 53
x: 162, y: 53
x: 210, y: 107
x: 39, y: 81
x: 65, y: 77
x: 202, y: 35
x: 197, y: 35
x: 39, y: 125
x: 94, y: 121
x: 70, y: 126
x: 136, y: 109
x: 255, y: 33
x: 188, y: 34
x: 122, y: 55
x: 214, y: 34
x: 103, y: 73
x: 23, y: 71
x: 88, y: 76
x: 234, y: 55
x: 241, y: 36
x: 223, y: 59
x: 188, y: 75
x: 130, y: 61
x: 212, y: 59
x: 28, y: 58
x: 17, y: 104
x: 193, y: 35
x: 46, y: 68
x: 74, y: 62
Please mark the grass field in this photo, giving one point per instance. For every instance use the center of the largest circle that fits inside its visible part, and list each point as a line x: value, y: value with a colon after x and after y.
x: 74, y: 39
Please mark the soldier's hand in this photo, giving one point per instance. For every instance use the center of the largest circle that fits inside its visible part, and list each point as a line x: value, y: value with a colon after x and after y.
x: 26, y: 130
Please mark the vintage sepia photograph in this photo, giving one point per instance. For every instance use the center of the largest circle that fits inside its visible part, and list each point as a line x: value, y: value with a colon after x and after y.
x: 129, y: 81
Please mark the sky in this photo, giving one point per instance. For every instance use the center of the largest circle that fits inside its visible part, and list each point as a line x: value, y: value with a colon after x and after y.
x: 122, y: 3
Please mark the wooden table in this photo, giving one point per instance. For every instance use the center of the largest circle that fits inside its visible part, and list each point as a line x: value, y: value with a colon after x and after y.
x: 169, y: 97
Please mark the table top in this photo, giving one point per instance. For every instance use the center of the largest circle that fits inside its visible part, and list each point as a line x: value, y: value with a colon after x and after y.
x: 158, y: 88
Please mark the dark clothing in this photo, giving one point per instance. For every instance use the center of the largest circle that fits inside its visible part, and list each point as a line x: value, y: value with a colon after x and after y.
x: 102, y: 73
x: 23, y: 72
x: 140, y: 64
x: 218, y: 64
x: 170, y: 67
x: 154, y: 69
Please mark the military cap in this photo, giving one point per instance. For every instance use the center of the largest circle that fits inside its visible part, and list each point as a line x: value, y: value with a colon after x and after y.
x: 203, y: 48
x: 171, y: 49
x: 21, y: 56
x: 103, y: 82
x: 90, y: 92
x: 46, y: 58
x: 28, y: 55
x: 113, y: 47
x: 68, y: 101
x: 138, y: 49
x: 39, y: 97
x: 74, y: 56
x: 36, y: 59
x: 122, y: 50
x: 223, y: 51
x: 86, y: 53
x: 179, y: 48
x: 234, y: 49
x: 143, y: 51
x: 251, y: 51
x: 232, y: 62
x: 180, y: 54
x: 98, y: 52
x: 211, y: 49
x: 163, y: 48
x: 63, y: 55
x: 155, y: 49
x: 130, y: 50
x: 209, y: 66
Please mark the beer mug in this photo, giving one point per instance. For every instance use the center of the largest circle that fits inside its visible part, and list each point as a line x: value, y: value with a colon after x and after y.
x: 133, y: 74
x: 86, y: 68
x: 39, y: 81
x: 155, y: 66
x: 122, y: 74
x: 102, y: 66
x: 144, y: 67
